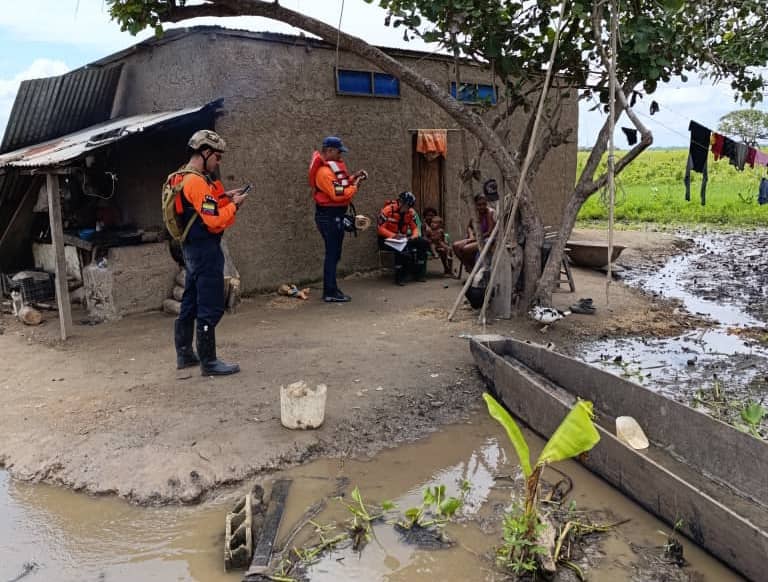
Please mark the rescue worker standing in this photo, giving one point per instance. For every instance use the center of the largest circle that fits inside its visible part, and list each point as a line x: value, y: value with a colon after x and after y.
x: 211, y: 211
x: 333, y: 189
x: 398, y: 220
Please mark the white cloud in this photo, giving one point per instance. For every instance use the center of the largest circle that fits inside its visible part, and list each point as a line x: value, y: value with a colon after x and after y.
x: 38, y: 69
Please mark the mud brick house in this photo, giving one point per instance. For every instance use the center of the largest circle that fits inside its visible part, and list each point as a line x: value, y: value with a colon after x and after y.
x: 127, y: 118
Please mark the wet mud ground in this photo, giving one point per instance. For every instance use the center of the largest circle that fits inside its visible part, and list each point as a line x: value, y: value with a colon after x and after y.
x: 721, y: 366
x: 70, y: 537
x: 137, y: 413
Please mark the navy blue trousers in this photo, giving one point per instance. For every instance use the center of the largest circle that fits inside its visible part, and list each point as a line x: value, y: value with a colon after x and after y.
x: 203, y: 297
x: 329, y: 222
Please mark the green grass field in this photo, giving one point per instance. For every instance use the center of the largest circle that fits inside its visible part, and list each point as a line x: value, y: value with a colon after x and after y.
x: 651, y: 189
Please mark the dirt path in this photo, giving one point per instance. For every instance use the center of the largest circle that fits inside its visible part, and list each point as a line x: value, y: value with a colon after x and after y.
x: 105, y: 413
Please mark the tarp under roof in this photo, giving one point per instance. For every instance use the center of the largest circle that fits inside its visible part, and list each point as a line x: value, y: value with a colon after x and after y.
x: 61, y: 151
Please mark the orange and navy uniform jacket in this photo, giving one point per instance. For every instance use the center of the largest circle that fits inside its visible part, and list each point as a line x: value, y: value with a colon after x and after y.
x: 330, y: 182
x: 206, y: 199
x: 392, y: 222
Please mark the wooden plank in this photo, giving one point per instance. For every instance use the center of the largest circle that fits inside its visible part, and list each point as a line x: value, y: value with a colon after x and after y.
x: 57, y: 237
x: 501, y: 301
x: 713, y: 515
x: 78, y: 242
x: 263, y: 551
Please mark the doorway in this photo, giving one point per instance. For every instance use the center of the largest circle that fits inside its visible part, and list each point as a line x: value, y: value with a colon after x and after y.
x: 428, y: 181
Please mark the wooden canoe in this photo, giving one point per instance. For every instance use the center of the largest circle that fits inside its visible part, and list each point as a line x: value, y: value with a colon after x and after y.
x: 591, y: 254
x: 699, y: 470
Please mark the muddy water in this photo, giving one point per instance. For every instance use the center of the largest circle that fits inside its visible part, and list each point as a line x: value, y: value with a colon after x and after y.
x: 74, y: 538
x: 720, y: 278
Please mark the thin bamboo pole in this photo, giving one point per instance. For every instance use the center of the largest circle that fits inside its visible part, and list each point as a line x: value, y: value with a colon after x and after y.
x: 611, y: 148
x: 510, y: 218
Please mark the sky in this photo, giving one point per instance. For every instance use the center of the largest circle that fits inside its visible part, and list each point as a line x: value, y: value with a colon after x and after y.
x: 41, y: 38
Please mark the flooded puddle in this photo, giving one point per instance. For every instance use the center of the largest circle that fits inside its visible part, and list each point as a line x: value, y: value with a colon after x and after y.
x: 74, y: 538
x: 721, y: 278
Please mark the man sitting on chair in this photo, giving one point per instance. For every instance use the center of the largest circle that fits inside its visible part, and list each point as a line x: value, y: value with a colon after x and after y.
x: 397, y: 223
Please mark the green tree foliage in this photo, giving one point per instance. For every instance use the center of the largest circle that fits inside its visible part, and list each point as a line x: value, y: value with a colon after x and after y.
x: 659, y: 39
x: 750, y: 125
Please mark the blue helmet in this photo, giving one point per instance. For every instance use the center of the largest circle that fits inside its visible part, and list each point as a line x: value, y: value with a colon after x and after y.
x: 407, y: 198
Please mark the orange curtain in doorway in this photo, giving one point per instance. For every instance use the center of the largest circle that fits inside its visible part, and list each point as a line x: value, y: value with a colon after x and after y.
x: 433, y: 143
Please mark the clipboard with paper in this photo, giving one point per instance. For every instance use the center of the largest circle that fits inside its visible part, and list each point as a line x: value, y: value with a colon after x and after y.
x: 396, y: 244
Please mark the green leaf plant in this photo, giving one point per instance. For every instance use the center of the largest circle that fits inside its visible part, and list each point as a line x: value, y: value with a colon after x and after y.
x: 753, y: 414
x: 575, y: 435
x: 436, y: 509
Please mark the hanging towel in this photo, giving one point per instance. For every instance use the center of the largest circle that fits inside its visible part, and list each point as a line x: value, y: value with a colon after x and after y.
x: 761, y: 158
x: 631, y: 135
x: 729, y: 150
x: 739, y: 157
x: 717, y: 145
x: 697, y: 159
x: 654, y: 107
x: 433, y: 143
x: 751, y: 153
x: 762, y: 196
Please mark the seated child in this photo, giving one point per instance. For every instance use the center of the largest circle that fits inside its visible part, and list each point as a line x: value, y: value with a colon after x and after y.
x: 439, y: 245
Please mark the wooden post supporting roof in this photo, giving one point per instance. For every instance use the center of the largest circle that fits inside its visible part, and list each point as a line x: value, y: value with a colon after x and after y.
x: 57, y: 238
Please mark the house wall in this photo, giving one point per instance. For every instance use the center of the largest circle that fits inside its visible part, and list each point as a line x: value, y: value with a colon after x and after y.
x: 279, y: 101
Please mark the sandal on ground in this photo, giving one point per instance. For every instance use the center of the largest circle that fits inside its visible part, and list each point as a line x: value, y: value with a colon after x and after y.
x: 583, y: 308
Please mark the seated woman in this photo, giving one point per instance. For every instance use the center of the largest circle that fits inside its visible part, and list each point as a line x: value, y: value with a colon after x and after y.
x: 396, y: 221
x: 466, y: 249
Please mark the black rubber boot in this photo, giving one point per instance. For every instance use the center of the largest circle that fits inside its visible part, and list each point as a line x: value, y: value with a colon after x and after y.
x: 183, y: 333
x: 399, y: 275
x: 206, y: 349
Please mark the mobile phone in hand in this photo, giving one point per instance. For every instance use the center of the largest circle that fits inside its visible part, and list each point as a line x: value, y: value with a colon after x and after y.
x: 246, y: 189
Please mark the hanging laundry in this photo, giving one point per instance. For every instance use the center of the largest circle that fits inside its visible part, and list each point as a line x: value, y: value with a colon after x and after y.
x: 717, y: 145
x: 751, y: 153
x: 654, y: 107
x: 762, y: 196
x: 761, y: 158
x: 697, y: 159
x: 739, y: 157
x: 729, y: 150
x: 433, y: 143
x: 630, y: 134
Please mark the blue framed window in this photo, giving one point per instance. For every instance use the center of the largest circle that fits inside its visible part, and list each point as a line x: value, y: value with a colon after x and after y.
x: 367, y: 84
x: 474, y: 93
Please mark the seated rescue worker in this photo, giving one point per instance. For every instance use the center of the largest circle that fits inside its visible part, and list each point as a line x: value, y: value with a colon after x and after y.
x: 207, y: 211
x: 397, y: 221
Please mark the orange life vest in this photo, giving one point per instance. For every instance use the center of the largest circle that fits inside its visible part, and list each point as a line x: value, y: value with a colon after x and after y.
x: 341, y: 182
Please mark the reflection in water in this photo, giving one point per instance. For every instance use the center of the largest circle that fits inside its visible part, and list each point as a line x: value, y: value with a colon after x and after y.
x: 75, y: 538
x: 78, y: 538
x: 678, y: 367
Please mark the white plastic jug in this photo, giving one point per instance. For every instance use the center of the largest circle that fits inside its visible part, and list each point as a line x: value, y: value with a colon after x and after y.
x: 301, y: 406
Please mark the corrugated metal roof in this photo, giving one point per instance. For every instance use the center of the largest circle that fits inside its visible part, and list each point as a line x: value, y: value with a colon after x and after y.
x: 55, y: 106
x: 61, y: 150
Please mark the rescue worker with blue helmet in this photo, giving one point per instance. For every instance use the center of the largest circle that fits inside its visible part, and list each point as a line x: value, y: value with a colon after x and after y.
x: 203, y: 199
x: 397, y: 220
